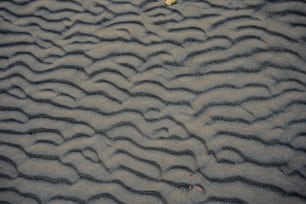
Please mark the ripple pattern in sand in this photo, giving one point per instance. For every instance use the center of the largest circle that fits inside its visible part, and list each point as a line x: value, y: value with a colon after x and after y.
x: 119, y: 101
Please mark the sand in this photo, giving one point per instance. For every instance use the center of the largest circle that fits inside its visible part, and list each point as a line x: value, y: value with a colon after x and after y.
x: 120, y: 101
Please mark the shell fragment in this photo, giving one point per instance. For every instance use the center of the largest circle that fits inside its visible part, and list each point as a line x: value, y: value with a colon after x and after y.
x: 170, y: 2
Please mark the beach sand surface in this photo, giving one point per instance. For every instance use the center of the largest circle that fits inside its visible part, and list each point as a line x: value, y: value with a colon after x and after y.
x: 120, y: 101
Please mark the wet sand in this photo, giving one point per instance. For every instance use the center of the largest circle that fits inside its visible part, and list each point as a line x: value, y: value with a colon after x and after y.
x: 117, y: 101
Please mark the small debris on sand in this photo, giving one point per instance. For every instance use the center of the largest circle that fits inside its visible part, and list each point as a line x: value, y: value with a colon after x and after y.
x: 170, y: 2
x: 197, y: 188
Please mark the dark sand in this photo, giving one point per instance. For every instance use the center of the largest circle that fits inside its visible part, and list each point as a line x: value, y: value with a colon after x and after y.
x: 130, y: 101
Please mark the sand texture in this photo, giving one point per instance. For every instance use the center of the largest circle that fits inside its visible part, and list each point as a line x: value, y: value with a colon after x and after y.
x: 132, y: 101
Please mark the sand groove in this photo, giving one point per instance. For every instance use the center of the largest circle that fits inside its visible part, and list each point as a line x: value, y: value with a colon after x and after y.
x: 119, y: 101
